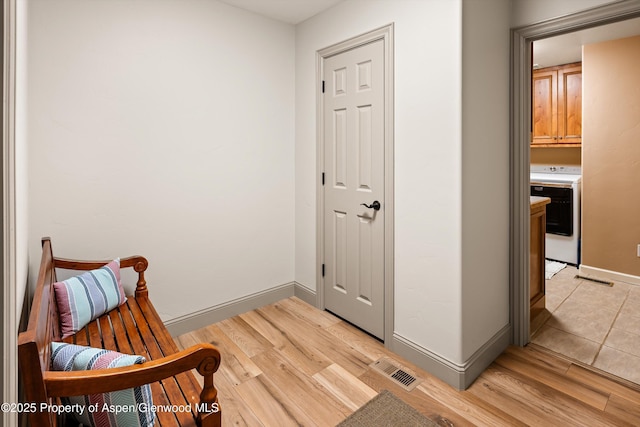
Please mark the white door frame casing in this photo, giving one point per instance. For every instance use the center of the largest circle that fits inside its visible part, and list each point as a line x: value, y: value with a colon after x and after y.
x: 8, y: 263
x: 386, y: 35
x: 521, y: 42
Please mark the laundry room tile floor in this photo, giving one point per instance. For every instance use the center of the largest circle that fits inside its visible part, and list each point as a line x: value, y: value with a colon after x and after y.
x: 596, y: 324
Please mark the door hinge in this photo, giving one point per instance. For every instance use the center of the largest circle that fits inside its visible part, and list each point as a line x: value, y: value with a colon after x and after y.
x: 322, y: 270
x: 323, y: 86
x: 322, y: 178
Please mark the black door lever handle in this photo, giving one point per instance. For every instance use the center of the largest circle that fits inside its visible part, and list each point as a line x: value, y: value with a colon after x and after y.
x: 375, y: 205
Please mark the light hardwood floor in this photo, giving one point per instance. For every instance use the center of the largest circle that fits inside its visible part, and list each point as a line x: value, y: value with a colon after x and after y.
x: 291, y: 364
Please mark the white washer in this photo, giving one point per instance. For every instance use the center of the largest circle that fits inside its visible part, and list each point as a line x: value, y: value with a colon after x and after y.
x: 561, y: 183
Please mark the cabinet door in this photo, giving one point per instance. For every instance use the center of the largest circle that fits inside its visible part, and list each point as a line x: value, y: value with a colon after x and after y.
x: 537, y: 261
x: 544, y: 108
x: 570, y: 104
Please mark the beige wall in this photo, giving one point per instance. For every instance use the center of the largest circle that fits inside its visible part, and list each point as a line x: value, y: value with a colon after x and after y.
x: 166, y: 129
x: 556, y: 156
x: 611, y: 155
x: 527, y: 12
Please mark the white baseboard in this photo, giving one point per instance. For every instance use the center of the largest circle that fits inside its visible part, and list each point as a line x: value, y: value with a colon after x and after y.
x: 460, y: 376
x: 614, y: 276
x: 191, y: 322
x: 305, y: 294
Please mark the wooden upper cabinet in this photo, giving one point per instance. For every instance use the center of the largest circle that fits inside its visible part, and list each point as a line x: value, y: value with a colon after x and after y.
x: 545, y: 107
x: 557, y: 106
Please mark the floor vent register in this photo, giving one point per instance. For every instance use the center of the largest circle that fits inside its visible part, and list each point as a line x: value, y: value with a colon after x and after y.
x: 391, y: 369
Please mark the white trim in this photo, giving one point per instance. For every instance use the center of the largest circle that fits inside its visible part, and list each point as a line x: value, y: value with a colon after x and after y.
x: 521, y: 41
x: 457, y: 375
x: 601, y: 273
x: 304, y: 293
x: 386, y: 35
x: 9, y: 315
x: 519, y: 191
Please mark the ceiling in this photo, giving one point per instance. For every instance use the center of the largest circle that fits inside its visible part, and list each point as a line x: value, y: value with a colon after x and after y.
x: 289, y: 11
x: 557, y: 50
x: 567, y: 48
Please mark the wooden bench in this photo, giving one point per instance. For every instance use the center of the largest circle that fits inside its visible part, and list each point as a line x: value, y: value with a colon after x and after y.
x: 132, y: 328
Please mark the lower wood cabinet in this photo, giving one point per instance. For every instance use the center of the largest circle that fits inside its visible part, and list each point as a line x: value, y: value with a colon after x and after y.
x: 537, y: 253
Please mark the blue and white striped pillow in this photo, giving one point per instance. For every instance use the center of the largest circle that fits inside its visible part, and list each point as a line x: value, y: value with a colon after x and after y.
x: 83, y: 298
x: 131, y: 407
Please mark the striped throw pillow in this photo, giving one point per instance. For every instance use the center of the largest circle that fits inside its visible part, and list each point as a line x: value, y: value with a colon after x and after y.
x: 86, y: 297
x: 132, y: 407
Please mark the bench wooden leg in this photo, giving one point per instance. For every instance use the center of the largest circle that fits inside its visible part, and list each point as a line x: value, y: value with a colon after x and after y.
x: 212, y: 419
x: 209, y: 414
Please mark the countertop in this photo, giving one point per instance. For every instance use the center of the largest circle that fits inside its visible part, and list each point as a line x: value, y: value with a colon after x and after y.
x: 538, y: 202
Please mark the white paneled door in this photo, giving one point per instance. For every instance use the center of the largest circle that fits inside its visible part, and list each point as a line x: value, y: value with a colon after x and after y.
x: 354, y: 199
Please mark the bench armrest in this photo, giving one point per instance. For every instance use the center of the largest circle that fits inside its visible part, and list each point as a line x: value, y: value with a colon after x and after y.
x: 139, y: 264
x: 203, y: 357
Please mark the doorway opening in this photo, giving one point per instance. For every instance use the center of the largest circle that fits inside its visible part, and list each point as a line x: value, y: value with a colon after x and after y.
x: 522, y: 41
